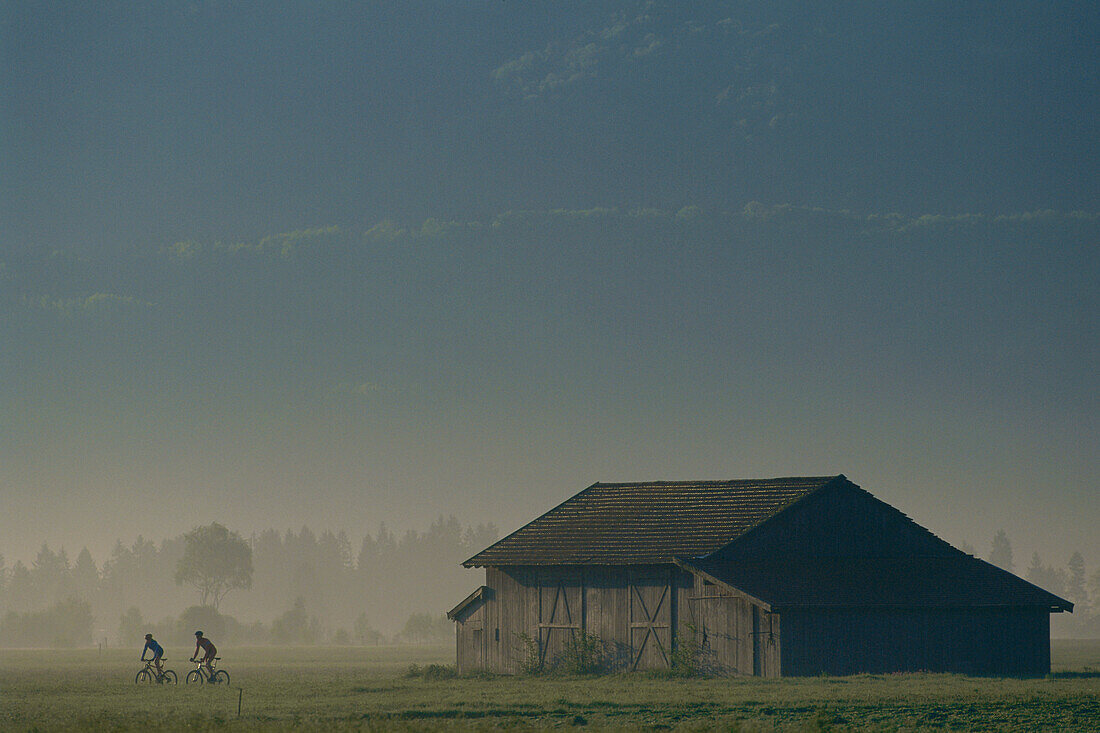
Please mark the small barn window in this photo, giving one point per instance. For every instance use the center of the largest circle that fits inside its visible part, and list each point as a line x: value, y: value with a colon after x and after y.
x: 496, y: 634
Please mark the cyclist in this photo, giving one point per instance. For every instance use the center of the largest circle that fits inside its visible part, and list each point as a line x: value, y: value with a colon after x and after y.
x: 209, y: 651
x: 151, y: 645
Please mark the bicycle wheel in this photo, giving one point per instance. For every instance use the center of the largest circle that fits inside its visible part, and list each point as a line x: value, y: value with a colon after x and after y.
x: 194, y: 677
x: 144, y: 677
x: 169, y: 678
x: 221, y: 677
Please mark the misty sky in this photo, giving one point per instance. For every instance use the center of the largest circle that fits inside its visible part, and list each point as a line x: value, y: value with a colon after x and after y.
x: 335, y: 264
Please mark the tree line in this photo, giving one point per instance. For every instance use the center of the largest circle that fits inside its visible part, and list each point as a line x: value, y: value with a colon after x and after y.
x: 1071, y: 582
x: 280, y: 587
x: 304, y: 588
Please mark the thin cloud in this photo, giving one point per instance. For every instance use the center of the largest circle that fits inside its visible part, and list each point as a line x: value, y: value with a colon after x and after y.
x: 284, y: 244
x: 302, y: 243
x: 94, y: 305
x: 750, y: 84
x: 626, y: 38
x: 363, y: 389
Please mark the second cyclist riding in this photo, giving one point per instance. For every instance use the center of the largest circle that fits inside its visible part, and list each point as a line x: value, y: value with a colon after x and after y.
x: 201, y: 675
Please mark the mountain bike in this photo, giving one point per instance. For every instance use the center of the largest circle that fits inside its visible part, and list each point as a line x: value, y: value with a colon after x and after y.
x: 149, y: 674
x: 200, y: 675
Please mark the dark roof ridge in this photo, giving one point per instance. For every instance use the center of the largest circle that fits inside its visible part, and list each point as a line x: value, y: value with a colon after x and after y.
x: 839, y: 479
x: 906, y: 518
x: 718, y: 482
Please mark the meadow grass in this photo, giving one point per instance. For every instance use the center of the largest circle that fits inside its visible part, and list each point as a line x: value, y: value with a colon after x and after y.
x: 369, y: 688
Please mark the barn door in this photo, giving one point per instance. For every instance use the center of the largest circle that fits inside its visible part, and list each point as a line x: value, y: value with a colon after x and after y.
x: 757, y: 644
x: 559, y: 614
x: 650, y: 621
x: 477, y: 648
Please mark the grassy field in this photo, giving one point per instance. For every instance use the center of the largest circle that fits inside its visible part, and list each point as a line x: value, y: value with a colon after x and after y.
x: 368, y: 689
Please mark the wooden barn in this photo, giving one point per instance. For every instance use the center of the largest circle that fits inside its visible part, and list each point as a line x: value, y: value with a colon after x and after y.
x: 774, y: 577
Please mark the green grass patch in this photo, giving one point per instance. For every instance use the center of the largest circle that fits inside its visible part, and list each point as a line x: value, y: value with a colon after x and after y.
x: 349, y: 688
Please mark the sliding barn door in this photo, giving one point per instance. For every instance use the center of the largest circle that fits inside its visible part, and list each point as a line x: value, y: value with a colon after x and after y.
x: 650, y: 619
x: 559, y: 612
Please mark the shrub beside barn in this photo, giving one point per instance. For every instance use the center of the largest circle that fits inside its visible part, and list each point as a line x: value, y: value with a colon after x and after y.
x: 773, y: 577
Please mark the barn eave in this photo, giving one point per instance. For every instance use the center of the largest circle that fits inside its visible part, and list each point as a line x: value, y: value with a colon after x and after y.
x: 482, y: 593
x: 686, y: 565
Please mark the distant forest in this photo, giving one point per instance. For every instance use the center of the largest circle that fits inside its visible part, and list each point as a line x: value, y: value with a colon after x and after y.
x: 1071, y: 582
x: 319, y: 589
x: 306, y: 588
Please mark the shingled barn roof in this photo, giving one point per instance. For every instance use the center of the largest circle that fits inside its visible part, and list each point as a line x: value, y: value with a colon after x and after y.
x: 653, y: 522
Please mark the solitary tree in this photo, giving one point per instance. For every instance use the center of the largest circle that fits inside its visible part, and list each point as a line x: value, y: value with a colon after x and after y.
x: 418, y: 628
x: 295, y: 626
x: 423, y: 627
x: 364, y: 633
x: 1036, y: 571
x: 215, y: 561
x: 85, y: 575
x: 1046, y: 577
x: 1001, y: 556
x: 1075, y: 583
x: 131, y: 626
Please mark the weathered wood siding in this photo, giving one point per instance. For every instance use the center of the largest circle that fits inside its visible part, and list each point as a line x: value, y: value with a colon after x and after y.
x: 607, y: 611
x: 634, y: 610
x: 734, y: 635
x: 559, y: 602
x: 470, y: 639
x: 1001, y: 641
x: 509, y: 615
x: 644, y: 613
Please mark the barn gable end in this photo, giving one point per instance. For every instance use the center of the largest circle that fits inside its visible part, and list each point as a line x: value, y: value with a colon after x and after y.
x: 759, y: 577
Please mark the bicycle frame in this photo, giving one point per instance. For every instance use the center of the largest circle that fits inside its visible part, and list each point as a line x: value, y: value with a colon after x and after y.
x: 156, y: 675
x: 201, y: 667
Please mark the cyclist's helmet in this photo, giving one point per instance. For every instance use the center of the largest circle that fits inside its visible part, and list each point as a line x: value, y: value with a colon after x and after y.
x: 198, y: 633
x: 148, y: 636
